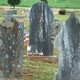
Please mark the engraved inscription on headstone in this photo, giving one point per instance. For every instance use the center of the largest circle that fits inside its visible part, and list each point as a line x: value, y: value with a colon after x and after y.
x: 40, y: 17
x: 11, y: 49
x: 67, y: 43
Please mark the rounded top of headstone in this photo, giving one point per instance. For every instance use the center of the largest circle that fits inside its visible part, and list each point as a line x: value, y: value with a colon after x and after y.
x: 9, y: 22
x: 40, y: 5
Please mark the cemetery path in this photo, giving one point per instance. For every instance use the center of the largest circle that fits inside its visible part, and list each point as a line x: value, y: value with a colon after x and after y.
x: 55, y: 10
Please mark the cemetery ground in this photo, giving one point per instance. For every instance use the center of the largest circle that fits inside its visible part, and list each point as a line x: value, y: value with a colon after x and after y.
x: 39, y: 70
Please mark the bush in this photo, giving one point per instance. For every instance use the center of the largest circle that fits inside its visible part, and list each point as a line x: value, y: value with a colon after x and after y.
x: 44, y: 1
x: 14, y: 2
x: 62, y: 11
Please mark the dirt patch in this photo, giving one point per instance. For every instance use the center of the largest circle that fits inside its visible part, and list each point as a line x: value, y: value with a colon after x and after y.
x: 47, y: 59
x: 28, y: 77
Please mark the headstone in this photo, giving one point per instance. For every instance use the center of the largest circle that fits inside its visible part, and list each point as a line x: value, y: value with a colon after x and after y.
x: 40, y: 17
x: 9, y: 13
x: 14, y: 11
x: 56, y: 26
x: 15, y: 16
x: 67, y: 43
x: 21, y: 25
x: 11, y: 49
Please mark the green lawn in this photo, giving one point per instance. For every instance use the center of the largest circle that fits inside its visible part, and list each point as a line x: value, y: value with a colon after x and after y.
x: 37, y: 70
x: 62, y: 18
x: 52, y: 3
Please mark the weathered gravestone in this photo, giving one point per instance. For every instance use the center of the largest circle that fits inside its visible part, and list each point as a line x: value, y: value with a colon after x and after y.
x: 14, y: 11
x: 40, y: 17
x: 9, y: 13
x: 21, y: 25
x: 11, y: 49
x: 68, y: 45
x: 56, y: 26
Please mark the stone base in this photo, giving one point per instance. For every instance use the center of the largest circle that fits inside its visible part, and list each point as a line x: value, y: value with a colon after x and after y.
x: 30, y: 51
x: 35, y: 54
x: 49, y: 59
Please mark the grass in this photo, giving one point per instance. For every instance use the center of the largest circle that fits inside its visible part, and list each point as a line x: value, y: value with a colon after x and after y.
x: 52, y: 3
x: 62, y: 18
x: 37, y: 70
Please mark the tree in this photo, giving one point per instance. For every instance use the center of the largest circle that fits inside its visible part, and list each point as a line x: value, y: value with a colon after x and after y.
x: 14, y: 2
x: 44, y: 1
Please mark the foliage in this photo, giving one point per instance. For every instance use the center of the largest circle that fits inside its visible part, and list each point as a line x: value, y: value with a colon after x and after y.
x: 44, y: 1
x: 62, y: 11
x: 14, y: 2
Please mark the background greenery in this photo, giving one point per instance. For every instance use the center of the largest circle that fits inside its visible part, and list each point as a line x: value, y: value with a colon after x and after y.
x: 52, y: 3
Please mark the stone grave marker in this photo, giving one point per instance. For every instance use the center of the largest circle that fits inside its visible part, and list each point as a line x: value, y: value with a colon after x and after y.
x: 56, y: 26
x: 21, y: 25
x: 40, y: 17
x: 9, y: 13
x: 67, y: 43
x: 14, y: 11
x: 11, y: 49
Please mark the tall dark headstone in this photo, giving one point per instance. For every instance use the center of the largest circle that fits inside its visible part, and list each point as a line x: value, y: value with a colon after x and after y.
x: 67, y: 43
x: 11, y: 49
x: 40, y: 17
